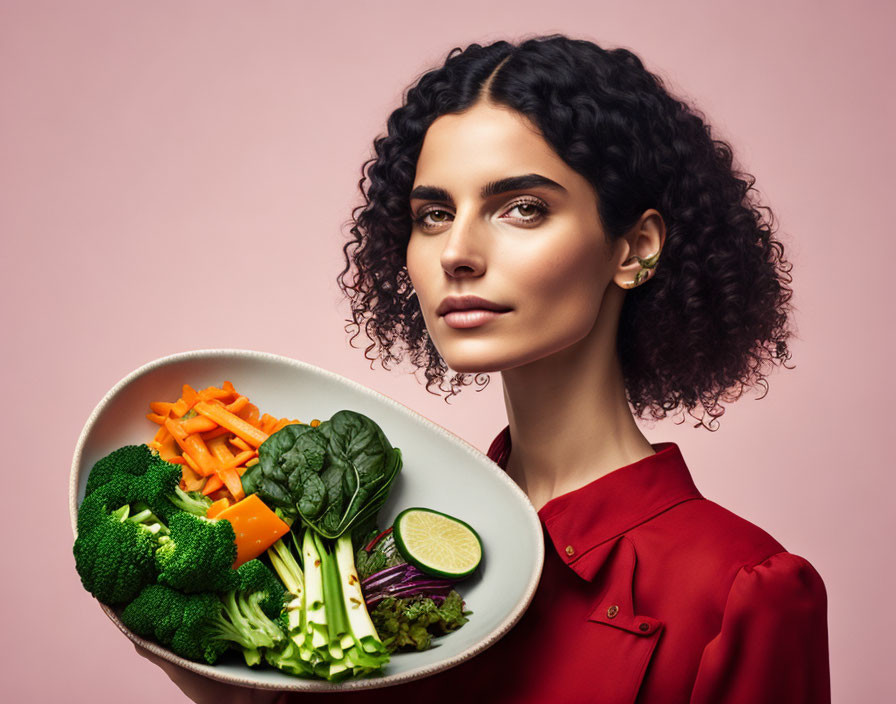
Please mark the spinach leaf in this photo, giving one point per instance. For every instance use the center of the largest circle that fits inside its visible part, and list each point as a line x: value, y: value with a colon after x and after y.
x: 334, y: 476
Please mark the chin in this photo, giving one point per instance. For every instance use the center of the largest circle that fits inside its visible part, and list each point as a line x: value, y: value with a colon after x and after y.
x: 485, y: 361
x: 475, y: 363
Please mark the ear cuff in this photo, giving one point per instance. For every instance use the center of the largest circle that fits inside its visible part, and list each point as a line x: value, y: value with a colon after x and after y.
x: 646, y: 266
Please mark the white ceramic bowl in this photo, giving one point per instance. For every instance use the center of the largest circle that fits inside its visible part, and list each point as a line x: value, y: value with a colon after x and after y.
x: 439, y: 471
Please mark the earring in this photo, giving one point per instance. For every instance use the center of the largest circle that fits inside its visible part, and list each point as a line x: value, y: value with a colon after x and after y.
x: 646, y: 266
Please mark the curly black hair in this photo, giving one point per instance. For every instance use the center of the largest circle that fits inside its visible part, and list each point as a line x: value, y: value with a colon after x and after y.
x: 716, y: 311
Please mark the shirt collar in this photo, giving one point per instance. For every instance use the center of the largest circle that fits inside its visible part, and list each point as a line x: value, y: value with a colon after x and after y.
x: 585, y: 523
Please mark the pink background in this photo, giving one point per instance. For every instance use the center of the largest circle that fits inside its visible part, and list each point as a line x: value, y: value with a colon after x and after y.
x: 173, y: 175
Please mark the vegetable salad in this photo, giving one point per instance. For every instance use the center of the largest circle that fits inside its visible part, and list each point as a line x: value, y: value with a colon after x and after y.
x: 233, y: 531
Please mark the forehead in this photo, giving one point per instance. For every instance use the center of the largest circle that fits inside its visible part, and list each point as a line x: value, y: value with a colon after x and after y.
x: 484, y: 142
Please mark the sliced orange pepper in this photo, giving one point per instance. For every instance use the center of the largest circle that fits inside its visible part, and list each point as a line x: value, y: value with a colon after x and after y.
x: 255, y: 525
x: 217, y: 507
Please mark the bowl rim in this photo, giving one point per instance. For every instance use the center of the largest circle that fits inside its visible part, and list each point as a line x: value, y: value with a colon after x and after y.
x: 308, y: 684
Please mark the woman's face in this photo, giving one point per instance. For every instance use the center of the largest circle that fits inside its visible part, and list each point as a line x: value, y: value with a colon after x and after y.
x: 536, y: 251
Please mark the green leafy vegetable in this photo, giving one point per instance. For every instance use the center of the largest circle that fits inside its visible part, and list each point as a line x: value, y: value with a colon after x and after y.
x: 411, y: 623
x: 334, y: 476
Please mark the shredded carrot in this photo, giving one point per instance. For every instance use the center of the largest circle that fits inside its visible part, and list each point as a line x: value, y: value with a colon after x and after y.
x: 178, y: 409
x: 191, y: 463
x: 218, y: 447
x: 240, y: 459
x: 232, y: 481
x: 213, y: 483
x: 189, y: 395
x: 213, y: 434
x: 282, y: 423
x: 237, y: 425
x: 198, y: 424
x: 216, y: 433
x: 240, y: 443
x: 267, y: 423
x: 211, y: 392
x: 168, y: 448
x: 190, y: 480
x: 195, y: 447
x: 238, y: 405
x: 163, y: 408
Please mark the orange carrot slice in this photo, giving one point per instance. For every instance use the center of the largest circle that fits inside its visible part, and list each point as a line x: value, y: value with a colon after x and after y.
x: 217, y: 432
x: 212, y: 484
x: 161, y: 407
x: 255, y: 525
x: 198, y: 424
x: 190, y: 480
x: 235, y: 424
x: 232, y: 481
x: 189, y: 395
x: 240, y: 443
x: 211, y: 392
x: 238, y: 405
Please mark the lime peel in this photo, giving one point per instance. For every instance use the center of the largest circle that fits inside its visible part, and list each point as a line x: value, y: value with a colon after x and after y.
x: 436, y: 543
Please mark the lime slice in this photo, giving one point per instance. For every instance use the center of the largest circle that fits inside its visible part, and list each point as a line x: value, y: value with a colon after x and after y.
x: 437, y: 543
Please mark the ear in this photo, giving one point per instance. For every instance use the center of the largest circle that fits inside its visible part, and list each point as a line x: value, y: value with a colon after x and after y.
x: 644, y: 240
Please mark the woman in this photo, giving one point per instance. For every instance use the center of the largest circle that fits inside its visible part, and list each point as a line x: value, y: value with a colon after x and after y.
x: 548, y: 211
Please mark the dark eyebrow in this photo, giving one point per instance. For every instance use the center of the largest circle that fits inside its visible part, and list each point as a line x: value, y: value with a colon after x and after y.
x: 511, y: 183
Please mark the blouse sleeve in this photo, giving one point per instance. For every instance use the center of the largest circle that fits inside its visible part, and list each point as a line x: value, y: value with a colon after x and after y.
x: 773, y: 642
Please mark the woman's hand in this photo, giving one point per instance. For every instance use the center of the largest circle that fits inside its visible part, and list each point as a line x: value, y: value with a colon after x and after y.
x: 202, y: 689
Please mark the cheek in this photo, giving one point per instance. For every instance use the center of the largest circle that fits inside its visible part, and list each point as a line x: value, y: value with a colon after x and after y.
x: 563, y: 280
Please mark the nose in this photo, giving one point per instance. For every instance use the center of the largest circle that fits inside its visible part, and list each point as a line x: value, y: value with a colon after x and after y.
x: 462, y: 255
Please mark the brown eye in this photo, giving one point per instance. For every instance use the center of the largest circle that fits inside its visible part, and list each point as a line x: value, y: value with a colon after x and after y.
x: 440, y: 217
x: 531, y: 211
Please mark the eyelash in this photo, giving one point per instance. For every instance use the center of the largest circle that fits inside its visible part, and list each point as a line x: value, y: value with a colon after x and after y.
x: 542, y: 207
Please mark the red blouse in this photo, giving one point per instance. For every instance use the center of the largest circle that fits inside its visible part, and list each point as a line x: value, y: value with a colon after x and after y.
x: 652, y: 593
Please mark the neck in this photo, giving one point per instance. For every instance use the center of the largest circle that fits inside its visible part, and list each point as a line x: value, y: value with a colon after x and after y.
x: 569, y: 420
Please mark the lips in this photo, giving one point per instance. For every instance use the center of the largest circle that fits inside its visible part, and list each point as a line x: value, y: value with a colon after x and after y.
x: 453, y: 303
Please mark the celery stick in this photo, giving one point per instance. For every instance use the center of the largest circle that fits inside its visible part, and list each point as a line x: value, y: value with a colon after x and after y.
x: 315, y: 613
x: 353, y: 599
x: 336, y: 619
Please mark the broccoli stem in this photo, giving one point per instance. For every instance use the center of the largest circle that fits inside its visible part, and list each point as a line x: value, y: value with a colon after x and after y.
x: 143, y: 517
x: 189, y: 503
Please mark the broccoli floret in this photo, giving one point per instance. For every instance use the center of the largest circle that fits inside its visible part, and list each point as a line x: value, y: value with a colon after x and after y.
x: 114, y: 550
x: 202, y: 626
x: 186, y: 623
x: 127, y: 460
x: 255, y: 607
x: 115, y: 558
x: 122, y: 521
x: 159, y: 488
x: 198, y: 556
x: 141, y: 475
